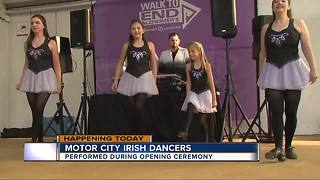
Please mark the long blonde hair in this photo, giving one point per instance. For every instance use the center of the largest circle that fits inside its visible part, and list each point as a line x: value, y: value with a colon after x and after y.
x: 199, y: 47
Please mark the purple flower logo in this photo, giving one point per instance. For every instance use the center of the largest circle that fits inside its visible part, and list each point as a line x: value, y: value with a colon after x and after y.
x: 278, y: 39
x: 197, y: 74
x: 138, y: 55
x: 36, y: 53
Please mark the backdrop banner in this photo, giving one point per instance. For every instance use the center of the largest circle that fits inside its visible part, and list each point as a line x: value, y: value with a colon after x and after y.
x: 192, y: 20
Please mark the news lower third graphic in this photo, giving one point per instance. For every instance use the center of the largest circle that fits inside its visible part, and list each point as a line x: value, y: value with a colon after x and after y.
x: 136, y: 148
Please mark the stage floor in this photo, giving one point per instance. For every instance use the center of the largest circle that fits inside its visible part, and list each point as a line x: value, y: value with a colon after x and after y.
x: 306, y: 167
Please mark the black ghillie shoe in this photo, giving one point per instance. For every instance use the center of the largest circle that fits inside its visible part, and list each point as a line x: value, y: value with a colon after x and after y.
x: 276, y: 153
x: 33, y: 139
x: 290, y: 153
x: 183, y: 135
x: 40, y: 139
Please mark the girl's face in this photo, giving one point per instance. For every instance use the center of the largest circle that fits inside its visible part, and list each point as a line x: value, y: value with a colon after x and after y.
x: 137, y: 30
x: 36, y: 25
x: 280, y: 6
x: 194, y: 53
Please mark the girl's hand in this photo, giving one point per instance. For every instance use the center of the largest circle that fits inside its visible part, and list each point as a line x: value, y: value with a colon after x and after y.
x: 214, y: 103
x: 59, y: 86
x: 313, y: 76
x: 115, y: 85
x: 18, y: 85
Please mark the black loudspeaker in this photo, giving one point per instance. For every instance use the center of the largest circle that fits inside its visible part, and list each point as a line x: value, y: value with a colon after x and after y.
x: 257, y: 23
x: 81, y: 28
x: 64, y: 53
x: 224, y: 18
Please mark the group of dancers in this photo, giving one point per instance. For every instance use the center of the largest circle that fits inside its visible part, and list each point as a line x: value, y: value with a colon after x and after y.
x: 283, y: 74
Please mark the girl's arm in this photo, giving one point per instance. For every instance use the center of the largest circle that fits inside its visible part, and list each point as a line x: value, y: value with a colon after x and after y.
x: 119, y: 66
x: 56, y: 62
x: 211, y: 84
x: 188, y: 83
x: 23, y: 68
x: 307, y: 49
x: 263, y: 51
x: 153, y: 59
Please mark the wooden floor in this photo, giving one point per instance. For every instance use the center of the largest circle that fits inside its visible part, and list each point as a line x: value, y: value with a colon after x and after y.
x: 306, y: 167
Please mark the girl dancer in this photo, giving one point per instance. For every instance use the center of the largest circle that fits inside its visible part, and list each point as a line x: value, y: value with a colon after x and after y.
x: 139, y: 79
x: 200, y: 89
x: 284, y: 73
x: 41, y: 74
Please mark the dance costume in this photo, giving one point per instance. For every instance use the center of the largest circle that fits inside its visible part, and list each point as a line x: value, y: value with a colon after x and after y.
x: 284, y: 69
x: 39, y: 76
x: 199, y: 95
x: 138, y: 77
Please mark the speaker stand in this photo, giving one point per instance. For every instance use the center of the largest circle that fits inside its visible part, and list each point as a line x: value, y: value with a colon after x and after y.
x: 58, y: 115
x: 81, y: 123
x: 230, y: 93
x: 264, y: 137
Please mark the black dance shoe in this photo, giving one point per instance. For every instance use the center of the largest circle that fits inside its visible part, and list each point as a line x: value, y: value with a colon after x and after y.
x: 276, y: 153
x: 290, y: 153
x: 40, y: 139
x: 183, y: 135
x: 33, y: 139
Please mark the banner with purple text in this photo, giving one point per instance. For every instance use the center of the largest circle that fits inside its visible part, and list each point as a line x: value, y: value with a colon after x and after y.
x: 192, y: 20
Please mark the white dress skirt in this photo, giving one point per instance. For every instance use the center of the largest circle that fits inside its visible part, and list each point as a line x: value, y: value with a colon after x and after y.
x: 292, y: 76
x: 44, y: 81
x: 202, y: 102
x: 130, y: 85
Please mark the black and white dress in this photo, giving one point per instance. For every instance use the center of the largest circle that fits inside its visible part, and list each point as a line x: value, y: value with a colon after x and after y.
x: 39, y: 75
x: 199, y: 95
x: 138, y: 77
x: 284, y: 69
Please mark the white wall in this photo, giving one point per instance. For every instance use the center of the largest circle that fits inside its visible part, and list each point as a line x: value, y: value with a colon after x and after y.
x: 309, y: 114
x: 15, y: 110
x: 4, y: 74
